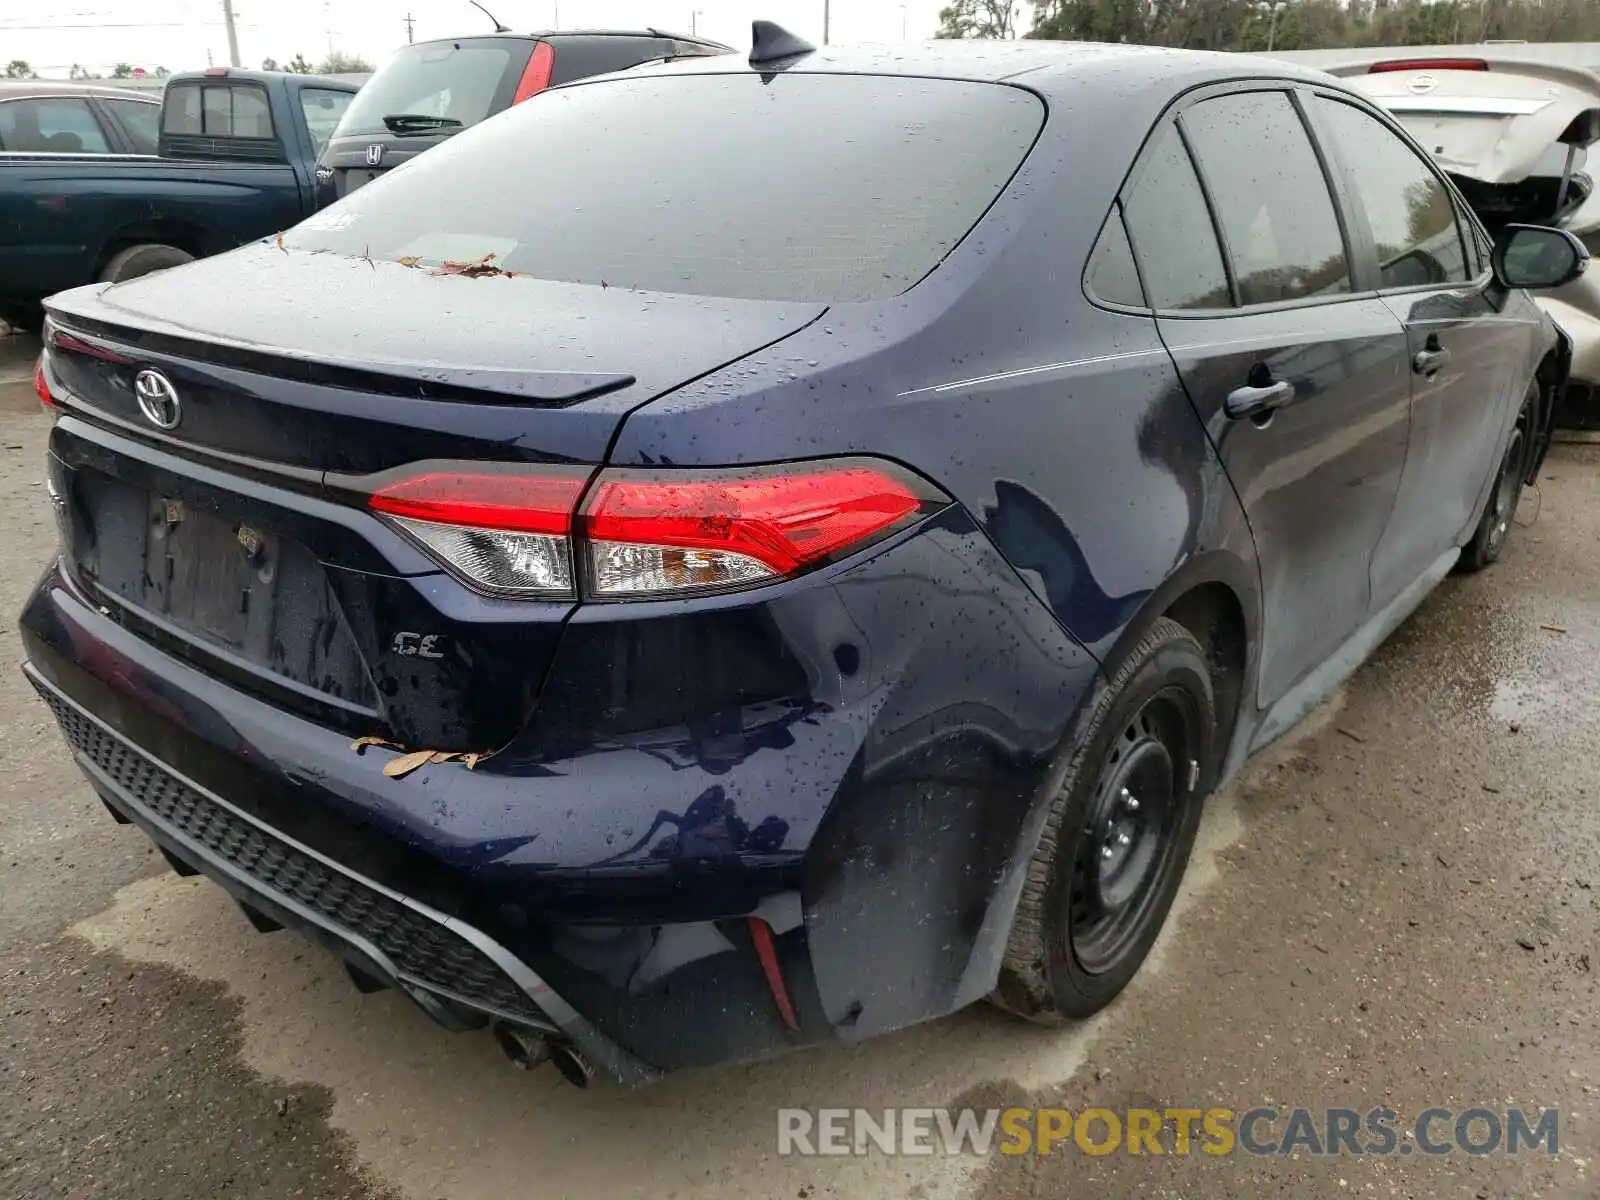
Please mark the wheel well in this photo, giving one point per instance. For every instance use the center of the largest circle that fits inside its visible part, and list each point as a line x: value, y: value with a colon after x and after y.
x: 180, y: 234
x: 1213, y: 614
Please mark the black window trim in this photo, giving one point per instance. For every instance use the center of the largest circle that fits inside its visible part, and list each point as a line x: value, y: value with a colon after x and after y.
x: 1465, y: 217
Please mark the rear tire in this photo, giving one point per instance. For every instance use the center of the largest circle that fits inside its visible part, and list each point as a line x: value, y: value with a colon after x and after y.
x: 133, y: 261
x: 1118, y: 835
x: 1489, y: 539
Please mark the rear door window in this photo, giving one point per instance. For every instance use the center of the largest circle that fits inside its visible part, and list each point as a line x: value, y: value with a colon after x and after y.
x: 1271, y: 197
x: 1171, y: 230
x: 217, y: 110
x: 462, y: 81
x: 140, y: 121
x: 707, y: 184
x: 51, y: 125
x: 1408, y: 207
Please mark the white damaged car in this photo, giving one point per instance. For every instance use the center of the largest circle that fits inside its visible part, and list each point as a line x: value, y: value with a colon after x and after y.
x: 1515, y: 136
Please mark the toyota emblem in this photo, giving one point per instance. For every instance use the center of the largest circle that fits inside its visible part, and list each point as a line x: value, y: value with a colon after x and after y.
x: 158, y: 399
x: 1423, y: 83
x: 374, y: 154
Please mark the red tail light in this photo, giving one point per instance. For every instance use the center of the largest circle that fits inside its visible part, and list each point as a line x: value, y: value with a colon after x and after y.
x: 667, y: 531
x: 1428, y: 64
x: 536, y: 75
x: 42, y: 386
x: 504, y: 531
x: 647, y: 533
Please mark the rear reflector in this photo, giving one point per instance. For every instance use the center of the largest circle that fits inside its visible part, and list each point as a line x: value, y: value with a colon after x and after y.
x: 42, y: 385
x: 647, y: 533
x: 1428, y: 64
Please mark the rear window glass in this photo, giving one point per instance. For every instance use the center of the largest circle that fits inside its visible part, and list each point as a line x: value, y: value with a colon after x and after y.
x: 217, y: 110
x: 825, y: 188
x: 454, y: 80
x: 580, y: 57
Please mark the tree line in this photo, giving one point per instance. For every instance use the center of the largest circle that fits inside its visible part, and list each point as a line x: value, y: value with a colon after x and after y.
x: 335, y: 64
x: 1244, y: 25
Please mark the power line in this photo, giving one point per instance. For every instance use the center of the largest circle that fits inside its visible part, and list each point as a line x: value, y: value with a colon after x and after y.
x: 115, y: 25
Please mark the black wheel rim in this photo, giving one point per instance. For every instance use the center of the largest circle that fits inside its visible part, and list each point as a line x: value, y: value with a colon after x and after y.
x: 1132, y: 832
x: 1507, y: 488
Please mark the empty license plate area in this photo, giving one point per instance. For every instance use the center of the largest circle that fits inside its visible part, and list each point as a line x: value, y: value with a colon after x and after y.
x: 226, y: 583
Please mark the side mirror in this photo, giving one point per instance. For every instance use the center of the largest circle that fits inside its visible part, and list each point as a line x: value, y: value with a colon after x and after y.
x: 1534, y: 256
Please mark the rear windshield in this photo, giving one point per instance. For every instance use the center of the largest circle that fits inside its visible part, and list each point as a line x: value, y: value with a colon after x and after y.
x: 457, y: 80
x: 217, y: 110
x: 817, y: 187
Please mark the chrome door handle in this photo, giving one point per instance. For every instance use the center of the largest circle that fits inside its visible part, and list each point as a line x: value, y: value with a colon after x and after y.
x: 1250, y: 401
x: 1428, y: 362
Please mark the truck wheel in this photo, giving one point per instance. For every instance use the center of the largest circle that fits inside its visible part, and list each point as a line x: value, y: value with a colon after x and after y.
x: 1118, y: 835
x: 133, y: 261
x: 1490, y: 536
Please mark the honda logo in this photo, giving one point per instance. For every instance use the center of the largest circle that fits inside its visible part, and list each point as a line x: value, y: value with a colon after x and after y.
x: 158, y: 399
x: 374, y: 154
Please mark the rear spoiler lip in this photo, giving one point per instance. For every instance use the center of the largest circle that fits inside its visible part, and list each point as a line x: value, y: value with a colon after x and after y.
x: 427, y: 380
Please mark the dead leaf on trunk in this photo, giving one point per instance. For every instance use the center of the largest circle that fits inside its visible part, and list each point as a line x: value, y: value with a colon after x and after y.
x: 395, y: 768
x: 477, y: 268
x: 361, y: 743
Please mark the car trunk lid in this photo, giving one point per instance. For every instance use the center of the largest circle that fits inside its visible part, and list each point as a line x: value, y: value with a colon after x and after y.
x: 235, y: 538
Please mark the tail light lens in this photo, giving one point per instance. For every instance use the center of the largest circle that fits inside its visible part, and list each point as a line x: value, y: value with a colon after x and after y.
x: 41, y: 385
x: 503, y: 531
x: 650, y: 532
x: 536, y: 75
x: 643, y: 534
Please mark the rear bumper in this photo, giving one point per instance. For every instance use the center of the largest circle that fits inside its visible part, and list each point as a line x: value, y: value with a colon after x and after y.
x: 458, y: 975
x: 601, y: 888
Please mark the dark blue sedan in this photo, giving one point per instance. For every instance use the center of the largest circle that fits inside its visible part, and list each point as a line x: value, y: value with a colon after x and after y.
x: 739, y: 554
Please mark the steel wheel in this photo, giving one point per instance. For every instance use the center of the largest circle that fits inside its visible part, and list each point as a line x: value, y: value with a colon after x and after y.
x: 1508, y: 488
x: 1131, y: 834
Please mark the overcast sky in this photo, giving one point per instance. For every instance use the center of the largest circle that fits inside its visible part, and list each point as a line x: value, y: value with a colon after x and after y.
x: 177, y: 34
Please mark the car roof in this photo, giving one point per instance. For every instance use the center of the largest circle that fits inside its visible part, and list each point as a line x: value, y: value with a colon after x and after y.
x: 13, y: 89
x: 1045, y: 66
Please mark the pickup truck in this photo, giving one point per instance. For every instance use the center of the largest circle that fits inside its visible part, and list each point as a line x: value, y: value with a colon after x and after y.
x: 235, y: 162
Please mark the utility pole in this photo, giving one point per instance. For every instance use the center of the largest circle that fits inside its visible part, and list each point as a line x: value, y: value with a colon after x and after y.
x: 826, y: 4
x: 233, y: 36
x: 409, y: 38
